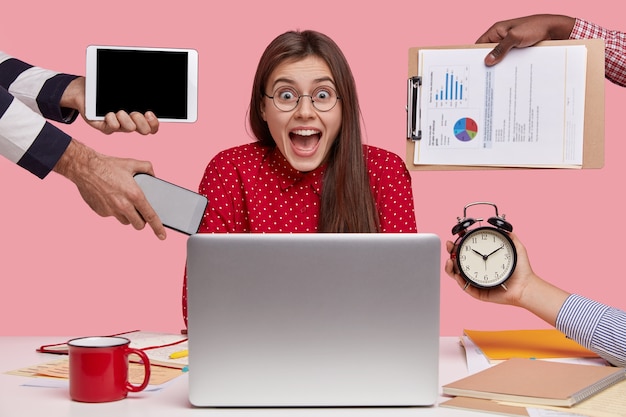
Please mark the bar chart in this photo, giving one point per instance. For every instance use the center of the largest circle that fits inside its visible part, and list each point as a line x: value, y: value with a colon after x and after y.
x: 449, y: 87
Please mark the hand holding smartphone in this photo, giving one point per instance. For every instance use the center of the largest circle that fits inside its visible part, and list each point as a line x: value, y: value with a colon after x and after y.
x: 178, y: 208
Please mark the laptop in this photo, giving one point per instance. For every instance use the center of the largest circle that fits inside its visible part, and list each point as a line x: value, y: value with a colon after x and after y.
x: 313, y: 320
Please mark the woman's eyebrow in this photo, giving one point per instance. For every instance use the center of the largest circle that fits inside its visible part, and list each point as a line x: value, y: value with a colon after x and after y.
x: 283, y: 80
x: 292, y: 82
x: 323, y: 79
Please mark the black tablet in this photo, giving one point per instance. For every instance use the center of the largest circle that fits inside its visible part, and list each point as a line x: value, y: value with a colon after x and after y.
x: 163, y: 80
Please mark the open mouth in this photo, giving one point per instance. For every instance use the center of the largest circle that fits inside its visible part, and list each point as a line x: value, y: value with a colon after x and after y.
x: 305, y: 141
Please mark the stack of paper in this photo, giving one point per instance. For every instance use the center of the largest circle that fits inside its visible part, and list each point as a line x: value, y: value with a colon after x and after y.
x: 513, y: 385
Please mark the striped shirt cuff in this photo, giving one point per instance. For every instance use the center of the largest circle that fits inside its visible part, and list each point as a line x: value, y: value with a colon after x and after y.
x: 597, y: 327
x: 50, y: 95
x: 45, y: 151
x: 579, y: 317
x: 38, y: 88
x: 27, y: 139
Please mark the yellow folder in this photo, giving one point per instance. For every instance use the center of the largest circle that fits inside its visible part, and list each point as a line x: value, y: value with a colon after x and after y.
x: 543, y: 343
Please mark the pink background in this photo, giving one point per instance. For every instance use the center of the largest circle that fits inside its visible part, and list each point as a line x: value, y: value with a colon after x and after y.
x: 66, y: 271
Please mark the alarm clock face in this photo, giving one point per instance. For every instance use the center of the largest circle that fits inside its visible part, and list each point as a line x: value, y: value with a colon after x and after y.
x: 486, y: 257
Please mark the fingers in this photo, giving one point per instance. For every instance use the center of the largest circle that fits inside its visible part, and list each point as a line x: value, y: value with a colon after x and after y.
x: 143, y: 167
x: 137, y: 211
x: 493, y: 34
x: 108, y: 187
x: 450, y: 268
x: 132, y: 217
x: 498, y: 53
x: 146, y: 123
x: 147, y: 214
x: 142, y: 208
x: 121, y: 121
x: 513, y: 33
x: 111, y: 124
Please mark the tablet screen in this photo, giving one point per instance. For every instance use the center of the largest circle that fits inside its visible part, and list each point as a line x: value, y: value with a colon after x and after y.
x: 141, y: 79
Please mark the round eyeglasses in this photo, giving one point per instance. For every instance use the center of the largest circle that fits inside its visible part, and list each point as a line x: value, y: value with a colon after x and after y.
x: 287, y: 98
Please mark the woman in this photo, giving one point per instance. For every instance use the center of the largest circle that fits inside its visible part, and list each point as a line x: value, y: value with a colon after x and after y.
x: 309, y: 170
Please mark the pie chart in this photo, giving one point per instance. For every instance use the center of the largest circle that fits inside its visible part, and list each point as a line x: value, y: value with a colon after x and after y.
x: 465, y: 129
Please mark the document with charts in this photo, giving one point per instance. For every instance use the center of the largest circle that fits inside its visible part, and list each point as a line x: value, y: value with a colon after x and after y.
x: 526, y: 111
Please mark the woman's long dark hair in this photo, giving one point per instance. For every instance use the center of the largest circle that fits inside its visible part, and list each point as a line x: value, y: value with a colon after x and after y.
x: 347, y: 204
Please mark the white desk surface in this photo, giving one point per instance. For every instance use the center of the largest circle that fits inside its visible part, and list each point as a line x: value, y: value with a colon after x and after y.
x: 18, y: 399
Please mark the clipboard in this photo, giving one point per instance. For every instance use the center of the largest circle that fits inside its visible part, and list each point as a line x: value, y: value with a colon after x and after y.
x: 593, y: 132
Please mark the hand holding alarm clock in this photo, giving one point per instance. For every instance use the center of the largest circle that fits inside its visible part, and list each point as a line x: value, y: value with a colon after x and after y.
x: 485, y: 256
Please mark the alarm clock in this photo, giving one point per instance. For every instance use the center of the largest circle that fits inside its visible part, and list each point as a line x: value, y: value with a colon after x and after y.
x: 485, y: 256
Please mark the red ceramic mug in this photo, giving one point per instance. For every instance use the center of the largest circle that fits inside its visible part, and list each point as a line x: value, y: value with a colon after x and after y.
x: 99, y: 369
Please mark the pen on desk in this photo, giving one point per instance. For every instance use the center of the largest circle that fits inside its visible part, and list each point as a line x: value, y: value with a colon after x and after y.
x: 179, y: 354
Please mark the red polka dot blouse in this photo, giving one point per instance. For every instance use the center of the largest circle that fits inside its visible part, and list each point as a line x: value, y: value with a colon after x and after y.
x: 253, y: 189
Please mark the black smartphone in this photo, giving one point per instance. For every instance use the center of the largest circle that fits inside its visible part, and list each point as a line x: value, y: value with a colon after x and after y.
x: 178, y: 208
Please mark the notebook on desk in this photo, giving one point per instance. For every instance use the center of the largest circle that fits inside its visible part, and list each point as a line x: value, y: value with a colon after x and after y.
x: 321, y: 320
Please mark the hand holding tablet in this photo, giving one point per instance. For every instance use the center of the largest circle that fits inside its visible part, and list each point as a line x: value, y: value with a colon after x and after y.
x: 162, y: 80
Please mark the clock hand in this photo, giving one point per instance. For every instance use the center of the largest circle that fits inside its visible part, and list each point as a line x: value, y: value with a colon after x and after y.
x: 494, y: 252
x: 481, y: 255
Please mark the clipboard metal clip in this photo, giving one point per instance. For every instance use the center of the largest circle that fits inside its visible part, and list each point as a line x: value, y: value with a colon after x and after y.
x: 414, y: 112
